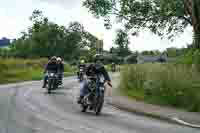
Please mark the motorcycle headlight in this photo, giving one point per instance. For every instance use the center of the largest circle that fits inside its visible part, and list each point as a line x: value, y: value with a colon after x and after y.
x: 102, y: 88
x: 81, y: 70
x: 51, y: 74
x: 101, y: 79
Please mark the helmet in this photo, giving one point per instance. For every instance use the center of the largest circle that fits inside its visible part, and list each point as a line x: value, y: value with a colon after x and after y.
x: 98, y: 57
x: 58, y: 59
x: 53, y: 58
x: 82, y: 61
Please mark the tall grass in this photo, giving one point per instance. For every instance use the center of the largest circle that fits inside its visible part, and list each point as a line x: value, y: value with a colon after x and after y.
x: 175, y: 85
x: 15, y: 70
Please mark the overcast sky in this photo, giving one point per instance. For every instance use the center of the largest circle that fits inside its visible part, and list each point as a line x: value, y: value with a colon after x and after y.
x: 14, y: 16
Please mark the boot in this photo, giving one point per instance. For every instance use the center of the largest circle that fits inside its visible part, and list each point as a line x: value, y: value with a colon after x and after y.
x: 44, y: 84
x: 80, y: 99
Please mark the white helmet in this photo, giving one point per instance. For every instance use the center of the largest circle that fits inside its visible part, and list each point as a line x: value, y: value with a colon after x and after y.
x: 58, y: 59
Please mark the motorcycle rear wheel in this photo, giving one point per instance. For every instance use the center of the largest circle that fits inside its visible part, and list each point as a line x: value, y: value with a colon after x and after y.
x: 50, y: 86
x: 84, y: 108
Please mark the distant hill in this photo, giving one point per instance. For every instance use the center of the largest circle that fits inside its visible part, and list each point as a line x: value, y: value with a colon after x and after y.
x: 4, y: 42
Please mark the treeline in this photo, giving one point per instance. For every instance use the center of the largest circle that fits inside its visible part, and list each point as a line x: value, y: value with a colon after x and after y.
x: 169, y: 52
x: 45, y: 38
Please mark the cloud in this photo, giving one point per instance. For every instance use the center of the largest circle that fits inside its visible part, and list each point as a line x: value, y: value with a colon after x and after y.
x: 11, y: 26
x: 67, y: 4
x: 149, y: 41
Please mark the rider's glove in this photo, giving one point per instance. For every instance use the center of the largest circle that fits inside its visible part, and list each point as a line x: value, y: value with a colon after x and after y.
x: 109, y: 83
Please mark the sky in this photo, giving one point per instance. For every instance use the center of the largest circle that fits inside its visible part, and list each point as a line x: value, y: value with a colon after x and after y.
x: 14, y: 16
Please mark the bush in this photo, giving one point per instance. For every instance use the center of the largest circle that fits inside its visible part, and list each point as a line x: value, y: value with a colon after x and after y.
x: 108, y: 67
x: 165, y: 84
x: 68, y: 68
x: 21, y: 63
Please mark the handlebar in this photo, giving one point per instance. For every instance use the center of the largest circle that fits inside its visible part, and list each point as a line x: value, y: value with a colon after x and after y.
x: 95, y: 77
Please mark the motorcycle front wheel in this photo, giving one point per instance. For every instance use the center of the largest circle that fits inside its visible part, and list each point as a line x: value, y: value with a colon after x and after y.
x: 50, y: 86
x: 99, y: 105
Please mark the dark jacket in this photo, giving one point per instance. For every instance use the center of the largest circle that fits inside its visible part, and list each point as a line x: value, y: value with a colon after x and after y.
x: 52, y: 66
x: 93, y: 69
x: 83, y: 66
x: 60, y: 67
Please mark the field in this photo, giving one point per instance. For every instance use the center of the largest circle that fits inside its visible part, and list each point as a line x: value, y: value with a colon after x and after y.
x: 175, y: 85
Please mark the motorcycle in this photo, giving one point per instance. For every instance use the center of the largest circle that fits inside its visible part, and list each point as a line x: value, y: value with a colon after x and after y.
x: 91, y: 101
x: 113, y: 68
x: 52, y: 81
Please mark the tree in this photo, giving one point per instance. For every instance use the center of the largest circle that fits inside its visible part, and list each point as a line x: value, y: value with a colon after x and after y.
x: 157, y: 52
x: 113, y: 51
x: 4, y: 52
x: 122, y: 42
x: 171, y: 52
x: 45, y: 38
x: 37, y: 16
x: 85, y: 39
x: 196, y: 22
x: 162, y: 17
x: 145, y: 52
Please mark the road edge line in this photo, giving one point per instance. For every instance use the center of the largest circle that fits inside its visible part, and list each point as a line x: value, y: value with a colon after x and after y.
x: 174, y: 120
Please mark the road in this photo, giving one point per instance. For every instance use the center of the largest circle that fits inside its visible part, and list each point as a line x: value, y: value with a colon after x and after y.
x: 27, y: 108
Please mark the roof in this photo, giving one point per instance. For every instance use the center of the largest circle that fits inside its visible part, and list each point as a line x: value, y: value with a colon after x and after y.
x: 4, y: 42
x: 149, y: 58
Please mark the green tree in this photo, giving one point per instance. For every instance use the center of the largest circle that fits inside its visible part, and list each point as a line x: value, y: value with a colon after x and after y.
x: 162, y: 17
x: 171, y: 52
x: 45, y: 38
x: 122, y: 42
x: 86, y: 41
x: 113, y: 51
x: 145, y: 52
x: 4, y: 52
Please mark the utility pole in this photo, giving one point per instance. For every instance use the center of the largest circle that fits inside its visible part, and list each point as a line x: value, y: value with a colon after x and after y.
x: 99, y: 46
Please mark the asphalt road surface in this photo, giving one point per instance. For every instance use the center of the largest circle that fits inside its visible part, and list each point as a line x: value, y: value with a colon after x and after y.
x: 27, y: 108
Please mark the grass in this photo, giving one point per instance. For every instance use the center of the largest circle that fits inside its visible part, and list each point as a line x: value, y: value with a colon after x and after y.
x: 17, y: 70
x: 108, y: 67
x: 175, y: 85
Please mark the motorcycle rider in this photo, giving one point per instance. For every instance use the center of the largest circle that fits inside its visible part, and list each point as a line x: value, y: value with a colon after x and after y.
x: 93, y: 69
x: 51, y: 66
x: 81, y: 65
x: 113, y: 67
x: 60, y: 68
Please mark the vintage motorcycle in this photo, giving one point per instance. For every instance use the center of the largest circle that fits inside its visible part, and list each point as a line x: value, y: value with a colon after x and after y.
x: 93, y: 100
x: 53, y: 81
